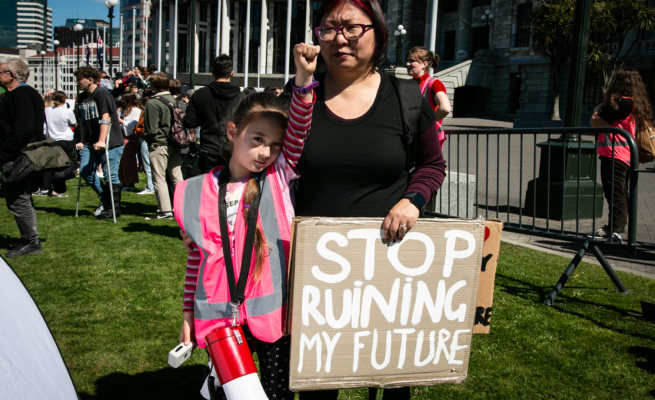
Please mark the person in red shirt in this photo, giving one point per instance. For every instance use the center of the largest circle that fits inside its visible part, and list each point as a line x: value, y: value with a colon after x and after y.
x: 419, y: 61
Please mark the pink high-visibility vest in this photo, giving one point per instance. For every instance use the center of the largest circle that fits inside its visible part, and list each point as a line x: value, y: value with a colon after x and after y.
x: 426, y: 91
x: 264, y: 310
x: 621, y: 148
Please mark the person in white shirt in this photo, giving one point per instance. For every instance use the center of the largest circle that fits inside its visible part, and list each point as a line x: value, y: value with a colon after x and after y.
x: 128, y: 172
x: 59, y: 121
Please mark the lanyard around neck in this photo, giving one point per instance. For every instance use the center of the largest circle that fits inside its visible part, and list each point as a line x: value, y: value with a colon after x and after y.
x: 237, y: 291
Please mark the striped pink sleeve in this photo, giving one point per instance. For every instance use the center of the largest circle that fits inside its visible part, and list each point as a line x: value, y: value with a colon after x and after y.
x: 300, y: 120
x: 191, y: 279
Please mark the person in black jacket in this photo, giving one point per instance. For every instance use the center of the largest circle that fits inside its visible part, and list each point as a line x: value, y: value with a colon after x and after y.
x: 22, y: 114
x: 206, y: 108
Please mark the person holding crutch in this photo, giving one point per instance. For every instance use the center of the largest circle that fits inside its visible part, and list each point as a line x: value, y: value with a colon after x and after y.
x: 98, y: 115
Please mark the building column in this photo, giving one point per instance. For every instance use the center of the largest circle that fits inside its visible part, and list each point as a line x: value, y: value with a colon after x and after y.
x: 308, y: 21
x: 155, y: 36
x: 263, y: 30
x: 196, y: 40
x: 172, y: 39
x: 225, y: 29
x: 235, y: 40
x: 269, y: 40
x: 463, y: 46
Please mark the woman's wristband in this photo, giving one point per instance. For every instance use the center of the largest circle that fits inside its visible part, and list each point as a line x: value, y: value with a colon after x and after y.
x: 306, y: 89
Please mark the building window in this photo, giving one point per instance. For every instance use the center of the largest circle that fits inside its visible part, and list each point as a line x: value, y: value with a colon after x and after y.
x: 184, y: 17
x: 522, y: 38
x: 478, y: 3
x: 449, y: 6
x: 449, y: 45
x: 479, y: 38
x: 203, y: 13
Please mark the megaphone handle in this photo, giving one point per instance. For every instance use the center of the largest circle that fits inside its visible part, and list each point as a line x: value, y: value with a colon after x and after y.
x: 211, y: 387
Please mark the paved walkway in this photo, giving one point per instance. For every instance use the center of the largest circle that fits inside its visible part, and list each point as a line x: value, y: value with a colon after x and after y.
x: 501, y: 180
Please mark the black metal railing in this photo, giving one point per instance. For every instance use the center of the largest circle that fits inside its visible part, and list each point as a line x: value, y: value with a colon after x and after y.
x: 562, y: 199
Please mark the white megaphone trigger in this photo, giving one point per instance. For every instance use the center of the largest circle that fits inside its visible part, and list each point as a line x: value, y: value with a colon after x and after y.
x: 233, y: 364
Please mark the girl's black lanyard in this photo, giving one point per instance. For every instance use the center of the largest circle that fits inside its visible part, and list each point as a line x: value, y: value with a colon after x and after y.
x: 237, y: 291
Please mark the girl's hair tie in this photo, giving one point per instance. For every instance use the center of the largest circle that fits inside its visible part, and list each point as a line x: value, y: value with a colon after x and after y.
x: 246, y: 206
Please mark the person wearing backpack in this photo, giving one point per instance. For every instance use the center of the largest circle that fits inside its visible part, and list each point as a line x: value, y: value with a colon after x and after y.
x: 164, y: 155
x: 625, y: 106
x: 419, y: 61
x: 207, y: 107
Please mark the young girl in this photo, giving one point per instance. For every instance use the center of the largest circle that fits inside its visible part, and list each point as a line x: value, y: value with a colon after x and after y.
x: 419, y: 61
x: 207, y: 207
x: 626, y: 106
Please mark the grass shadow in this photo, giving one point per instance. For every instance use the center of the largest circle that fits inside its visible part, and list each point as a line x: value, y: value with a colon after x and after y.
x: 64, y: 212
x: 647, y: 357
x: 138, y: 209
x: 167, y: 383
x: 7, y: 242
x: 566, y: 303
x: 168, y: 231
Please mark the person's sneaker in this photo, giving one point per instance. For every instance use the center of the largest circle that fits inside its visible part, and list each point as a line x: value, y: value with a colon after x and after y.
x: 603, y: 232
x: 129, y: 189
x: 23, y: 249
x: 58, y: 195
x: 616, y: 238
x: 160, y: 215
x: 146, y: 192
x: 99, y: 210
x: 40, y: 193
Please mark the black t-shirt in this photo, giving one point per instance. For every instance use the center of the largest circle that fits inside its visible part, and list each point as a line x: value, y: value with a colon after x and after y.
x: 90, y: 108
x: 355, y: 168
x: 624, y: 110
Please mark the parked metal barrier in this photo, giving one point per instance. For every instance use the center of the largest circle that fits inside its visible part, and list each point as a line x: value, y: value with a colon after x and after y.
x: 564, y: 186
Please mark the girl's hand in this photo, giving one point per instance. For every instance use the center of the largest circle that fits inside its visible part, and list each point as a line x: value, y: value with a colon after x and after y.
x: 400, y: 220
x: 305, y: 57
x: 188, y: 243
x: 187, y: 333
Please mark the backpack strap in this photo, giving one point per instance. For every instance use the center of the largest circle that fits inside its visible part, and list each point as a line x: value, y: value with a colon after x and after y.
x: 411, y: 100
x: 163, y: 100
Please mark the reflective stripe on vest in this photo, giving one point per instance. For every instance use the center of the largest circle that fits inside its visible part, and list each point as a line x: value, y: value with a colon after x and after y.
x: 203, y: 309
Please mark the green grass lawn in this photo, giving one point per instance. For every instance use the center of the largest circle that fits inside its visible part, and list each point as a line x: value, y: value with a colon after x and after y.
x: 112, y: 295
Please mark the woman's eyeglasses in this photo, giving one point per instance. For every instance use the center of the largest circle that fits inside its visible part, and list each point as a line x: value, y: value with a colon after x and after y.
x: 350, y: 32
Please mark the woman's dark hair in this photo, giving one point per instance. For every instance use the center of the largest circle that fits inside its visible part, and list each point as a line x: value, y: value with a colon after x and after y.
x: 59, y: 98
x: 628, y: 83
x: 222, y: 67
x: 143, y: 102
x: 372, y: 9
x: 129, y: 102
x: 249, y: 90
x: 244, y: 109
x: 422, y: 54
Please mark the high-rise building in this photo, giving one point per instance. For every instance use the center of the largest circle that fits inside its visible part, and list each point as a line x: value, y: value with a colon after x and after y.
x: 23, y: 23
x: 92, y: 28
x: 136, y: 27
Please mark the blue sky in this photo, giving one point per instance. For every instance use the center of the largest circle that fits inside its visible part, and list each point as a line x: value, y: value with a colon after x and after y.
x: 83, y: 9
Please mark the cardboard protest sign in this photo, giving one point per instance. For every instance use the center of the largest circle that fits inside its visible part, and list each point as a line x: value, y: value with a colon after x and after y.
x: 364, y: 312
x: 492, y: 232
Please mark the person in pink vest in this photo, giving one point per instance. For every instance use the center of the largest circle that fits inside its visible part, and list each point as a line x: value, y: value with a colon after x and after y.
x: 626, y: 106
x: 419, y: 61
x: 264, y: 138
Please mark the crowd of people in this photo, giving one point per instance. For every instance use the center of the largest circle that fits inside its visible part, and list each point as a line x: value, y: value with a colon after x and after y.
x: 329, y: 144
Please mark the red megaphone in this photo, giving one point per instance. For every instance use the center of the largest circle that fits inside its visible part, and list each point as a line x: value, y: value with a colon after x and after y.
x: 234, y: 365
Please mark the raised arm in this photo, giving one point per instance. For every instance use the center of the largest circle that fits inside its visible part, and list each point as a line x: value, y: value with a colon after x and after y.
x: 302, y: 105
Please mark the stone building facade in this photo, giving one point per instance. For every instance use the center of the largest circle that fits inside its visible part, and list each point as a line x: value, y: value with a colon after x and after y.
x: 488, y: 62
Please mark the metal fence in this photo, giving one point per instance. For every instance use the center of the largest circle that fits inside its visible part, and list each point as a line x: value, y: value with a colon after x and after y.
x: 541, y: 182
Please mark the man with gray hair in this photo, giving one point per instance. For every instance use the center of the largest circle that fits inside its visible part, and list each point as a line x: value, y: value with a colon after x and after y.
x: 22, y: 114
